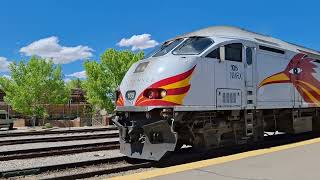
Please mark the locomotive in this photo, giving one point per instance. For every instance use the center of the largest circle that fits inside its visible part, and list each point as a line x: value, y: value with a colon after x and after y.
x: 216, y: 87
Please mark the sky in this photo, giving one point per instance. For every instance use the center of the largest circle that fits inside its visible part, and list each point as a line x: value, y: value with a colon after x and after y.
x: 71, y: 31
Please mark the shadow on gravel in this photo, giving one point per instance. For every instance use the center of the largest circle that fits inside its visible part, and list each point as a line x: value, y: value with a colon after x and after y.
x: 135, y: 161
x: 188, y: 155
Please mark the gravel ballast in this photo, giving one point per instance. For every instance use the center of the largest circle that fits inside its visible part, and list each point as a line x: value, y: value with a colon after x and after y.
x: 56, y: 135
x: 40, y: 129
x: 55, y: 160
x: 53, y: 144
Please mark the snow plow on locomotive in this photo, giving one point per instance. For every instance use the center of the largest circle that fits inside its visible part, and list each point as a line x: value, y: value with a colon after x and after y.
x: 218, y: 86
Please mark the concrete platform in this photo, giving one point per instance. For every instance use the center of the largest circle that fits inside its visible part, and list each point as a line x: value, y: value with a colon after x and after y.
x: 293, y: 162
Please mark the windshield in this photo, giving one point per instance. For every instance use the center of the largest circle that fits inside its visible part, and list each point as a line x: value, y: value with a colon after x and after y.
x: 152, y: 52
x: 167, y: 47
x: 193, y: 46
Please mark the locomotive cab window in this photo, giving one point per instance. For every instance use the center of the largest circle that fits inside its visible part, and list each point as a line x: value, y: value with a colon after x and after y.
x: 193, y: 46
x: 214, y: 54
x: 167, y: 47
x: 234, y: 52
x: 249, y: 55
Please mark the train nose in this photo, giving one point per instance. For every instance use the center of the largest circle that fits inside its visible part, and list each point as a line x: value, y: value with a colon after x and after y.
x: 157, y: 82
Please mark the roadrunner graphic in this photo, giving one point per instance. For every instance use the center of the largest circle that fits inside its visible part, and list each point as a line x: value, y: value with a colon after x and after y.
x: 299, y: 72
x: 176, y: 87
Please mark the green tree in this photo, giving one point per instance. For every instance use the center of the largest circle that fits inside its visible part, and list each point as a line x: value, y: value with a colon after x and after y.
x: 104, y: 78
x: 33, y: 85
x: 75, y: 84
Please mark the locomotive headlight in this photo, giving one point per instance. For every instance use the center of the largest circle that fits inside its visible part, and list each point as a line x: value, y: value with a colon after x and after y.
x: 163, y: 93
x: 155, y: 93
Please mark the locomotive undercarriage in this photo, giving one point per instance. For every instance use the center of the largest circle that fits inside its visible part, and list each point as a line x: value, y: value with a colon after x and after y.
x: 213, y: 129
x: 151, y: 135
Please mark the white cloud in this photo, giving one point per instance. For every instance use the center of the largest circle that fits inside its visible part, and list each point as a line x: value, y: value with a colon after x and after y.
x: 142, y: 41
x: 6, y: 76
x: 4, y: 64
x: 81, y: 75
x: 66, y: 80
x: 51, y: 49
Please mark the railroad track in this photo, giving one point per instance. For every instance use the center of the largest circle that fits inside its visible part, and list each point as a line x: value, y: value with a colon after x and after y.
x: 55, y: 151
x: 57, y: 139
x: 180, y: 157
x: 101, y: 172
x: 188, y: 155
x: 37, y: 170
x: 44, y: 132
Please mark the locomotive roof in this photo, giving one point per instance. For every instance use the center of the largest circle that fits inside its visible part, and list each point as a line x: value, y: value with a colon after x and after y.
x: 235, y: 32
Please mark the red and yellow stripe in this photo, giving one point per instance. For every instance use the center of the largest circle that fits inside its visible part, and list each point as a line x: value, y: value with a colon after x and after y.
x: 120, y: 101
x: 310, y: 93
x: 176, y: 87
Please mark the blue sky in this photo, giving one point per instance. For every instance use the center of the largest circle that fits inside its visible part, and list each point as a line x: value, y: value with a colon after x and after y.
x: 72, y: 30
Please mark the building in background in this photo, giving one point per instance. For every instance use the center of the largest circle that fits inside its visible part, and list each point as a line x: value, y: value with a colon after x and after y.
x: 77, y: 112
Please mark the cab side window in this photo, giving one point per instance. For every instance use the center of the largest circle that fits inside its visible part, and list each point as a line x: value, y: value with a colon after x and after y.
x: 249, y: 55
x: 214, y: 54
x: 234, y: 52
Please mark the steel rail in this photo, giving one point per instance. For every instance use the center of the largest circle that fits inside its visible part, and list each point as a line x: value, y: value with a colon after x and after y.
x: 179, y: 157
x: 100, y: 172
x: 37, y: 170
x: 58, y: 139
x: 55, y: 151
x: 43, y: 132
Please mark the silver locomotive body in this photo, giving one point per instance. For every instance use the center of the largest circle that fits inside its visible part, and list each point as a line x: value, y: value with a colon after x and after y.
x: 218, y: 86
